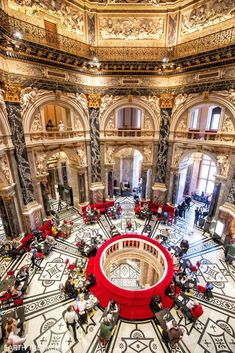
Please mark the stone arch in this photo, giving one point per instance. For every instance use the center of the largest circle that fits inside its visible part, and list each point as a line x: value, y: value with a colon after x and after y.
x: 212, y: 99
x: 188, y: 153
x: 119, y: 148
x: 136, y: 103
x: 63, y: 100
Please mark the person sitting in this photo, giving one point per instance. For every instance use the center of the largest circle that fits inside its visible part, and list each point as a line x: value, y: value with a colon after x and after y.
x: 91, y: 280
x: 195, y: 311
x: 170, y: 291
x: 112, y: 307
x: 16, y: 290
x: 81, y: 247
x: 11, y: 325
x: 105, y: 329
x: 92, y: 250
x: 23, y: 274
x: 16, y: 248
x: 156, y: 303
x: 69, y: 288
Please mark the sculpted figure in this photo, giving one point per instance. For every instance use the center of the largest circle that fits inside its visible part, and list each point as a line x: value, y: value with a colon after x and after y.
x: 37, y: 123
x: 179, y: 100
x: 176, y: 157
x: 109, y: 154
x: 82, y: 99
x: 222, y: 163
x: 105, y: 103
x: 82, y: 156
x: 40, y: 163
x: 4, y: 169
x: 148, y: 154
x: 227, y: 125
x: 2, y: 101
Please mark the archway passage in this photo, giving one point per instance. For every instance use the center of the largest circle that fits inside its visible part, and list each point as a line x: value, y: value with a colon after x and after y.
x: 127, y: 171
x: 134, y: 304
x: 197, y: 175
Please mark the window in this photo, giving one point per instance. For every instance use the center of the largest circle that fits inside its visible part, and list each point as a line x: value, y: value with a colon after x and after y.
x: 129, y: 118
x: 194, y: 121
x: 214, y: 114
x: 206, y: 175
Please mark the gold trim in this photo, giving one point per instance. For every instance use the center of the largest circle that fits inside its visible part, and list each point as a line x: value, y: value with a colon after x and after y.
x: 166, y: 100
x: 94, y: 100
x: 12, y: 92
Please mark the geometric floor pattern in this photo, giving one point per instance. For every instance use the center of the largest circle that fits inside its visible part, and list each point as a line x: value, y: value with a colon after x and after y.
x: 46, y: 331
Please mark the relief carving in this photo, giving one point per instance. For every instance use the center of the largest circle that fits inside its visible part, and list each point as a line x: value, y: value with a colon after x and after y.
x: 28, y: 96
x: 77, y: 123
x: 178, y: 152
x: 40, y: 163
x: 213, y: 12
x: 227, y: 125
x: 37, y: 123
x: 147, y: 154
x: 71, y: 19
x: 5, y: 169
x: 148, y: 123
x: 180, y: 99
x: 131, y: 28
x: 222, y: 160
x: 230, y: 95
x: 2, y: 102
x: 109, y: 154
x: 106, y: 101
x: 183, y: 124
x: 153, y: 102
x: 81, y: 156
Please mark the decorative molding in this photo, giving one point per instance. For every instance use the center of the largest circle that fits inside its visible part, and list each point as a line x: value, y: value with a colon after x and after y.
x: 12, y: 92
x: 166, y: 100
x: 94, y: 100
x: 29, y: 95
x: 131, y: 28
x: 223, y: 164
x: 5, y: 169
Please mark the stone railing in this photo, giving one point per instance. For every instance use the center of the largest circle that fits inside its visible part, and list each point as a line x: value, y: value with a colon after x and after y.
x: 54, y: 135
x: 39, y: 35
x: 205, y: 136
x: 128, y: 133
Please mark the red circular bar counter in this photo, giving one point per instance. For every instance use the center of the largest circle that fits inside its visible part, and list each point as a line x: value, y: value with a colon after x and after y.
x: 134, y: 304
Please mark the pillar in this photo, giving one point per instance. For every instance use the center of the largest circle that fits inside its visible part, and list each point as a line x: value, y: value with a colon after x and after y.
x: 214, y: 199
x: 97, y: 187
x: 31, y: 210
x: 144, y: 183
x: 175, y: 186
x: 8, y: 209
x: 159, y: 188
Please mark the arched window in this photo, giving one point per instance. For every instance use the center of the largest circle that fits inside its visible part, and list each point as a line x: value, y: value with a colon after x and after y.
x: 129, y: 118
x: 213, y: 119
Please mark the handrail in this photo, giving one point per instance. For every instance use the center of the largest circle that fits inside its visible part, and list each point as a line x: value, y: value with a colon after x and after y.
x: 42, y: 36
x: 39, y: 35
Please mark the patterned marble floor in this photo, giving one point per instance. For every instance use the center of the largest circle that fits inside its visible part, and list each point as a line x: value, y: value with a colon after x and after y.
x: 46, y: 330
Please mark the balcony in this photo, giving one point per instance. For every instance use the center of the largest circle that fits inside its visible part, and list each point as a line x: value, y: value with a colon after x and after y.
x: 208, y: 136
x: 128, y: 133
x: 54, y: 135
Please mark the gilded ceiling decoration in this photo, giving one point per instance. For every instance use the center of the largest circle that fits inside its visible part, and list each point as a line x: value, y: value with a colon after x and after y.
x: 131, y: 28
x: 209, y: 13
x: 71, y: 19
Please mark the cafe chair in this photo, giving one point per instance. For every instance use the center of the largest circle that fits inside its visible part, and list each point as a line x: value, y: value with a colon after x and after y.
x: 70, y: 267
x: 11, y: 274
x: 5, y: 299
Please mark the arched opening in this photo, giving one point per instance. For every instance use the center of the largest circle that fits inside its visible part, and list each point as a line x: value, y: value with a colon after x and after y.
x: 129, y: 118
x: 127, y: 171
x: 205, y: 118
x: 54, y: 114
x: 59, y: 180
x: 197, y: 176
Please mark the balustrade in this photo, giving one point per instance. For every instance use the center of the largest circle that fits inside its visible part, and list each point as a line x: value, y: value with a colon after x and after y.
x: 128, y: 133
x: 54, y: 135
x: 205, y: 136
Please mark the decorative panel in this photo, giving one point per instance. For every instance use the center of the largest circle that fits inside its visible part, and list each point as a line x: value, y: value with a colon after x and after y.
x: 14, y: 116
x: 131, y: 28
x: 95, y: 144
x: 231, y: 195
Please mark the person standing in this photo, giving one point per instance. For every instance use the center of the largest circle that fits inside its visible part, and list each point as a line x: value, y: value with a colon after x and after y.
x: 197, y: 214
x: 230, y: 252
x: 33, y: 258
x: 59, y: 204
x: 70, y: 317
x: 61, y: 127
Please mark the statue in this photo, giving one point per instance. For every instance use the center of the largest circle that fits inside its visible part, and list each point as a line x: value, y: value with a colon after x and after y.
x: 147, y: 154
x: 176, y: 157
x: 153, y: 102
x: 4, y: 168
x: 82, y: 99
x: 82, y: 156
x: 227, y: 125
x: 106, y: 101
x: 37, y: 123
x: 2, y: 101
x: 41, y: 168
x: 109, y: 154
x: 179, y: 100
x: 223, y: 164
x: 29, y: 96
x: 148, y: 124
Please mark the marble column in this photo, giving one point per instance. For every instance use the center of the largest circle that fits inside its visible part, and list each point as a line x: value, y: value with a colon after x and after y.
x: 214, y: 200
x: 159, y: 188
x: 110, y: 184
x: 231, y: 194
x: 8, y: 212
x: 97, y: 187
x: 175, y: 186
x: 31, y: 211
x: 144, y: 183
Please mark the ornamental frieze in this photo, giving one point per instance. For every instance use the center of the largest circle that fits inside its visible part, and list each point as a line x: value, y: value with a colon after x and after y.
x: 69, y: 15
x: 131, y: 28
x: 207, y: 14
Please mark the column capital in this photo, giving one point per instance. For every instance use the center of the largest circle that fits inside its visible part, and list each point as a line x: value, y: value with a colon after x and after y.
x: 12, y: 92
x: 166, y: 100
x: 94, y: 100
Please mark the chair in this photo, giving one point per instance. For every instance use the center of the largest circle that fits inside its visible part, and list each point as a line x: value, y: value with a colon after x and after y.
x: 11, y: 274
x: 5, y: 299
